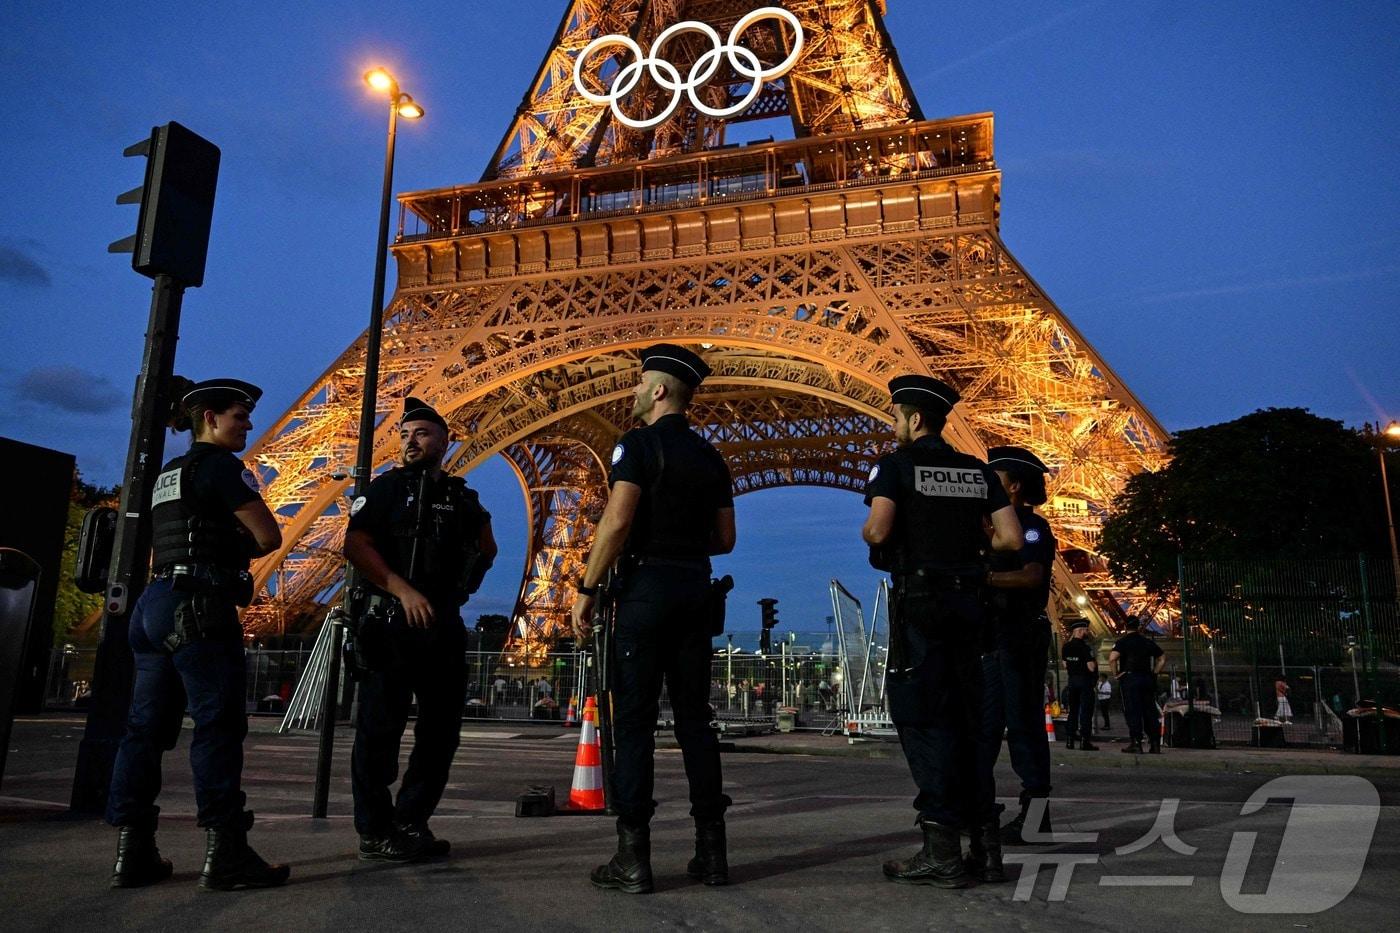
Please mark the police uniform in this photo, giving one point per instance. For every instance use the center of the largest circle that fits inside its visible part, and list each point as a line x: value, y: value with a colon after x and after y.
x: 662, y: 628
x: 936, y: 555
x: 1083, y: 686
x: 1137, y: 656
x: 1017, y: 648
x: 188, y: 647
x: 442, y: 534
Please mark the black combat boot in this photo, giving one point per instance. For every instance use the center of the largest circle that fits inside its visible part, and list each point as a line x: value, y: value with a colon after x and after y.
x: 138, y: 860
x: 229, y: 862
x: 394, y: 846
x: 711, y: 862
x: 1069, y: 743
x: 1154, y: 746
x: 983, y: 860
x: 1087, y: 746
x: 1013, y: 833
x: 1133, y: 748
x: 630, y: 869
x: 938, y: 863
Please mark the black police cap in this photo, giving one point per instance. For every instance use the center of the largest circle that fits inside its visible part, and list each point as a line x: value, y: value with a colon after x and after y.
x: 1015, y: 459
x: 1133, y: 623
x: 419, y: 410
x: 220, y: 393
x: 923, y: 392
x: 675, y: 361
x: 1078, y: 624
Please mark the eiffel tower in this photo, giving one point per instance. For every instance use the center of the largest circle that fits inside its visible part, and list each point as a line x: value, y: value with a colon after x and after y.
x: 808, y: 271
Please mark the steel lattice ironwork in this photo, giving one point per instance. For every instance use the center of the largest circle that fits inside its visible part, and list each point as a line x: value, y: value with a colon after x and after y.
x: 808, y: 271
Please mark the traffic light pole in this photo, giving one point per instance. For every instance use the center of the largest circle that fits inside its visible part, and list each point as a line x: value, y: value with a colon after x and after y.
x: 113, y: 669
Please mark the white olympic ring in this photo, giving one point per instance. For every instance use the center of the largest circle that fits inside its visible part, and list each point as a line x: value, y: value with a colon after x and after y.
x: 666, y: 75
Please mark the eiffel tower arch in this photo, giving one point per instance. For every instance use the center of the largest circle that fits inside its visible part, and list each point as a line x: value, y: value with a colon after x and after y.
x: 808, y: 271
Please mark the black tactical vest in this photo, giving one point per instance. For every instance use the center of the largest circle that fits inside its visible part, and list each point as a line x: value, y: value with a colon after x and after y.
x: 939, y: 521
x: 187, y: 530
x: 448, y: 540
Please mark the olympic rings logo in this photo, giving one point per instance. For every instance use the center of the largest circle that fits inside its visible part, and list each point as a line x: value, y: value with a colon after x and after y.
x: 667, y: 76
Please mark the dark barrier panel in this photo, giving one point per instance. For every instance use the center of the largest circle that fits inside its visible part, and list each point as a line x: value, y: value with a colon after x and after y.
x: 19, y: 578
x: 35, y: 510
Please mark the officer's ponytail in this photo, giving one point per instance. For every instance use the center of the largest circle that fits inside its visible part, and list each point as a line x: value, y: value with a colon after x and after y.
x: 181, y: 418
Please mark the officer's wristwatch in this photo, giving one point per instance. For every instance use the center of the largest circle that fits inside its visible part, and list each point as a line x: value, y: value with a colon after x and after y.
x: 585, y: 590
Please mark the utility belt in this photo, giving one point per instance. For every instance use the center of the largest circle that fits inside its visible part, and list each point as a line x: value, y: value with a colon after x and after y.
x: 211, y: 580
x: 960, y: 579
x: 698, y: 564
x: 210, y: 607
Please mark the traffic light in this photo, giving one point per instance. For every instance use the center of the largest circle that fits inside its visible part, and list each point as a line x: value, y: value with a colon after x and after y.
x: 177, y: 205
x: 770, y: 612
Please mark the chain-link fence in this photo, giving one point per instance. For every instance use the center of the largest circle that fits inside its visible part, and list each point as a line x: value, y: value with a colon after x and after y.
x: 1302, y: 646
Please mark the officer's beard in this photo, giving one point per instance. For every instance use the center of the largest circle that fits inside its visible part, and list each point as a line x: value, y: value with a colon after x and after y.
x: 423, y: 460
x: 642, y: 407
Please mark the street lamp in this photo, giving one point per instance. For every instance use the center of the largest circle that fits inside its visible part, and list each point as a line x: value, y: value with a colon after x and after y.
x: 400, y: 105
x: 1391, y: 434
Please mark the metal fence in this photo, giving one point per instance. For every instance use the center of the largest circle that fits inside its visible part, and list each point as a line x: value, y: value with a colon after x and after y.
x: 746, y: 687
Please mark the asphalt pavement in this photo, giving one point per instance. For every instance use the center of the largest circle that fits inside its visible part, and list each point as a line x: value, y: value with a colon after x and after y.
x: 1146, y: 842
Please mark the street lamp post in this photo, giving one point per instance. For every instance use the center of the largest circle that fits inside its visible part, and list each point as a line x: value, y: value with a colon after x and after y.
x: 1392, y: 434
x: 400, y: 105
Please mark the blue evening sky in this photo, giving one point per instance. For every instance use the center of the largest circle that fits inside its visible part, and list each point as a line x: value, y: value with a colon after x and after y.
x: 1210, y: 190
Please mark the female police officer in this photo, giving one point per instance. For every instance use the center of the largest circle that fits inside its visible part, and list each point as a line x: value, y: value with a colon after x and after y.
x: 188, y: 643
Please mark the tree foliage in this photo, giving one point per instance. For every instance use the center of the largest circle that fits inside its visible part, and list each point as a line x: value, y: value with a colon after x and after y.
x: 1278, y: 483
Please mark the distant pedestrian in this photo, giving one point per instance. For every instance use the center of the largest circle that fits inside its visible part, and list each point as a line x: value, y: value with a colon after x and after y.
x: 1284, y: 712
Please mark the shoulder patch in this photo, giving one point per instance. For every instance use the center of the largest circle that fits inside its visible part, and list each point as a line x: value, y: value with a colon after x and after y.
x: 358, y: 504
x: 874, y: 472
x: 250, y: 480
x: 617, y: 453
x: 1032, y: 535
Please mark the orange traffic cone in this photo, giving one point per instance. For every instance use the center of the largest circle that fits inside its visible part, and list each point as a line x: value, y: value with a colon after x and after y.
x: 586, y: 792
x: 571, y: 716
x: 1049, y: 726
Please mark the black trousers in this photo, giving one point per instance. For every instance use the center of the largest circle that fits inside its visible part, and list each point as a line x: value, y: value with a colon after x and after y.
x: 661, y: 636
x: 1013, y: 687
x: 935, y: 698
x: 1079, y: 705
x: 428, y: 665
x: 205, y: 676
x: 1140, y: 706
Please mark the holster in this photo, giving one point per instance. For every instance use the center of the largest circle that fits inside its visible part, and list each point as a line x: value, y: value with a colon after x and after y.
x: 203, y: 615
x: 234, y: 585
x: 370, y: 646
x: 716, y: 596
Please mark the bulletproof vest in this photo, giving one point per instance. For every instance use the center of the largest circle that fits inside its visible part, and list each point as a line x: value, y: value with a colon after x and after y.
x: 940, y: 519
x: 1022, y: 605
x: 447, y: 538
x: 1077, y: 657
x: 1135, y: 654
x: 673, y: 519
x: 187, y: 529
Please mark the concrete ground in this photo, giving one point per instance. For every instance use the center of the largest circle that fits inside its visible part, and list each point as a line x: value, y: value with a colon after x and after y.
x: 814, y: 818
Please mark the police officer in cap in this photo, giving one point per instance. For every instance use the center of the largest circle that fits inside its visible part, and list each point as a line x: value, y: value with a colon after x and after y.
x: 422, y: 542
x: 928, y: 505
x: 1017, y: 647
x: 1136, y: 660
x: 670, y: 508
x: 1082, y: 670
x: 209, y: 521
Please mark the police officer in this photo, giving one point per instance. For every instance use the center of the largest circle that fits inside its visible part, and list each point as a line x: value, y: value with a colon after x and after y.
x: 422, y: 542
x: 208, y: 521
x: 1136, y: 660
x: 1013, y: 669
x: 670, y: 507
x: 928, y: 504
x: 1082, y: 670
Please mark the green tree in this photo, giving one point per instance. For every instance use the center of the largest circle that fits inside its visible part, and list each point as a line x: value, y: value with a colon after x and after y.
x: 1278, y: 483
